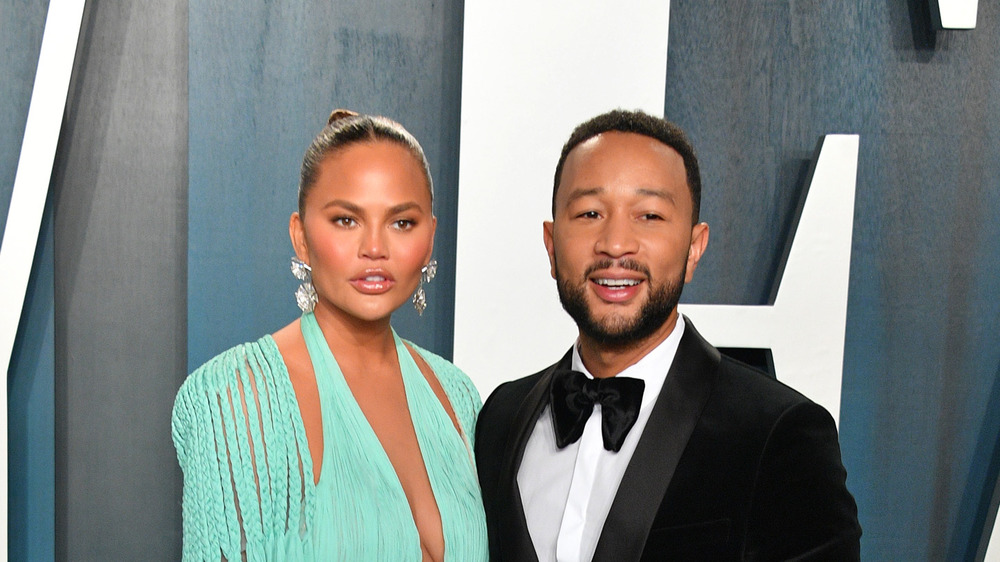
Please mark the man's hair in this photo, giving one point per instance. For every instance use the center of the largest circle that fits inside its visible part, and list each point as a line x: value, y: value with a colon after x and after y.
x: 640, y: 123
x: 345, y: 128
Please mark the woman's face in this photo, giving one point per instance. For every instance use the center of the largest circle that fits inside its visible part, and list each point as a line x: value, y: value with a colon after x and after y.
x: 367, y: 229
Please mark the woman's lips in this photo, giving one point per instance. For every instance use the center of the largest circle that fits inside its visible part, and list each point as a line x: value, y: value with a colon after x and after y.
x: 373, y: 282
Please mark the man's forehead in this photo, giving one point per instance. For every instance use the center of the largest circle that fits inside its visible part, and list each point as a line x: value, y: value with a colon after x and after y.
x: 615, y: 152
x: 620, y: 152
x: 636, y: 192
x: 619, y: 164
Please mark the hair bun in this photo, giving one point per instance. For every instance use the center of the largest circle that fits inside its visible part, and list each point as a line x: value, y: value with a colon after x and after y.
x: 339, y: 114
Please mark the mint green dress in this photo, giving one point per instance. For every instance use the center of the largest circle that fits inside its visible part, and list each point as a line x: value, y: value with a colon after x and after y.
x: 249, y: 491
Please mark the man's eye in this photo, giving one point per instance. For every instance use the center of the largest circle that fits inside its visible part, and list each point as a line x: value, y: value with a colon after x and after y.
x: 651, y: 217
x: 589, y: 215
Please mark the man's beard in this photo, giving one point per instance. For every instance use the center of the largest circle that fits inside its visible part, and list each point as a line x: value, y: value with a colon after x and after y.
x: 618, y: 332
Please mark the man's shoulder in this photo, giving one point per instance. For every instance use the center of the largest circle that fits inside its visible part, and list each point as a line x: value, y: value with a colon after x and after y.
x: 517, y: 387
x: 749, y: 393
x: 731, y: 379
x: 509, y: 395
x: 503, y: 406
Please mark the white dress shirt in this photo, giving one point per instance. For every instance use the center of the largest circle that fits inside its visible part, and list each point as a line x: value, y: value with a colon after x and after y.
x: 567, y: 493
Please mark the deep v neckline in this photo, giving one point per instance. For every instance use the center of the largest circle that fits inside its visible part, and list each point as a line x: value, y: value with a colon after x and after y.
x: 335, y: 393
x: 331, y: 386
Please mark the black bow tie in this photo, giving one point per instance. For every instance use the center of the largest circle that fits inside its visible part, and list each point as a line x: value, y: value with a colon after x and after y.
x: 573, y: 395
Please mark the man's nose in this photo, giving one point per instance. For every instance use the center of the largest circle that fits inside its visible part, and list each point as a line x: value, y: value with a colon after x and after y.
x: 617, y: 237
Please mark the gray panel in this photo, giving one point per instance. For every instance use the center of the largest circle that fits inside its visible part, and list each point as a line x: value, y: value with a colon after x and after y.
x: 120, y: 191
x: 21, y: 24
x: 30, y: 508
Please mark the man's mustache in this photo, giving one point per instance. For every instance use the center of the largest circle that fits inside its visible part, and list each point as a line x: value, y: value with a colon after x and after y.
x: 624, y: 263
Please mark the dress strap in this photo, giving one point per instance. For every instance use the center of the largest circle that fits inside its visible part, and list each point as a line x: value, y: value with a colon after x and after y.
x: 325, y: 367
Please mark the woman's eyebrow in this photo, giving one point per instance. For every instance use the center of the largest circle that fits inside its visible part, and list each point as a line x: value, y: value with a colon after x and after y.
x: 345, y: 204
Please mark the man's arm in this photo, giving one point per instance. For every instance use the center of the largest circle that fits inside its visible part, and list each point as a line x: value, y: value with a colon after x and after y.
x: 492, y: 429
x: 801, y: 508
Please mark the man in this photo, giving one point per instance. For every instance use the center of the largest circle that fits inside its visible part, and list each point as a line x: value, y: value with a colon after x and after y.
x: 662, y: 449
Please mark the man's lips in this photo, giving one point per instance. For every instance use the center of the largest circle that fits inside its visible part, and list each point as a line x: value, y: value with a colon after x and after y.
x: 373, y: 282
x: 616, y: 283
x: 615, y: 288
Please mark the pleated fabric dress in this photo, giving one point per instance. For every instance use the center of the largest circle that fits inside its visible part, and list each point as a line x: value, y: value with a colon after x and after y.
x: 249, y: 491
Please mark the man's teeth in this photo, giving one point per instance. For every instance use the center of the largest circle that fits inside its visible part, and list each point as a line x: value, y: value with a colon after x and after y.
x: 617, y: 282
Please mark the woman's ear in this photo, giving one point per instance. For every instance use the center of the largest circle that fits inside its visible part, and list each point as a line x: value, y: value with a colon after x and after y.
x: 430, y: 249
x: 297, y: 233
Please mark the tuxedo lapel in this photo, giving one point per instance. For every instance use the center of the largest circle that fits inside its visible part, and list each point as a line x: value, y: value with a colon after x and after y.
x: 520, y: 546
x: 674, y: 416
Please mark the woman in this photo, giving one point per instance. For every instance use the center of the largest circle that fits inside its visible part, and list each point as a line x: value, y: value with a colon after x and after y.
x: 333, y: 439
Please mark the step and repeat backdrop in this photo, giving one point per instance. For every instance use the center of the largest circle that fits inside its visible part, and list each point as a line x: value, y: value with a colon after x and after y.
x: 164, y: 239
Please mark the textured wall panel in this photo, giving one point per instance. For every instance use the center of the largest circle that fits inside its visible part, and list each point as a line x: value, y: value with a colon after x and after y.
x: 264, y: 77
x: 755, y: 84
x: 120, y: 189
x: 30, y: 478
x: 21, y: 25
x: 31, y: 416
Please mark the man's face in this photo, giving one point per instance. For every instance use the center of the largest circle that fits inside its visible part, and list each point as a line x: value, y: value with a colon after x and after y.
x: 621, y: 244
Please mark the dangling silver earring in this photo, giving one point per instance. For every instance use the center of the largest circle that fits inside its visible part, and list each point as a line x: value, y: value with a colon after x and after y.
x: 305, y: 295
x: 427, y: 273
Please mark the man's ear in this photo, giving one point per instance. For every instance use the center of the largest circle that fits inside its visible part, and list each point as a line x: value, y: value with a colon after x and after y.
x: 549, y: 246
x: 699, y: 240
x: 297, y: 233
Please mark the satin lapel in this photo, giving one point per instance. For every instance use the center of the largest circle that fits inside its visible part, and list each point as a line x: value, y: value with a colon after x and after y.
x: 675, y: 414
x: 520, y: 546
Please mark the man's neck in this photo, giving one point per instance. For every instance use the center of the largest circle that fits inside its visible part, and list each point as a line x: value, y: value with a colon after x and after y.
x: 607, y: 361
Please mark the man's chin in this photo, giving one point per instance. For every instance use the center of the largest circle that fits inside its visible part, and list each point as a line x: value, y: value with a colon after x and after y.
x: 612, y: 327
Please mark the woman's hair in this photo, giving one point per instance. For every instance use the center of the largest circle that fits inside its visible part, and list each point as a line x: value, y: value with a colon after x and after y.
x: 344, y: 128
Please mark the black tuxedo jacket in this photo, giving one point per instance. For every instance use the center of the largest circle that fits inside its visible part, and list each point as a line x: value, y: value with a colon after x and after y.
x: 732, y: 465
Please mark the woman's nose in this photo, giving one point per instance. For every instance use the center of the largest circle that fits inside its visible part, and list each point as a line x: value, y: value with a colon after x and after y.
x: 373, y: 244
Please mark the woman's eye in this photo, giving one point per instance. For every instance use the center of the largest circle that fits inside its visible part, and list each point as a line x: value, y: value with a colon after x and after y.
x: 344, y: 221
x: 404, y: 224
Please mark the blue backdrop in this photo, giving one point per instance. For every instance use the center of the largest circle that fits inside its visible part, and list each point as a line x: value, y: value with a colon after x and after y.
x: 755, y: 85
x: 264, y: 76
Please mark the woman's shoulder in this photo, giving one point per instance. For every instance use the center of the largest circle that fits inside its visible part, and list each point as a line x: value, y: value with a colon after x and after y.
x: 233, y: 375
x: 259, y: 357
x: 442, y: 367
x: 455, y: 382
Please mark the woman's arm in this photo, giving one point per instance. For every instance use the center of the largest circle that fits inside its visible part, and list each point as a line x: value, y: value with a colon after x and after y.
x: 238, y: 443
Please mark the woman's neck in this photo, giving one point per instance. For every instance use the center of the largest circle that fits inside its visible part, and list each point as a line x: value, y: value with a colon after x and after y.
x: 354, y: 340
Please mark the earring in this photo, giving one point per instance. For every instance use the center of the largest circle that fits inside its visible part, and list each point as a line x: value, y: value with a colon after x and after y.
x: 427, y: 273
x: 305, y: 295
